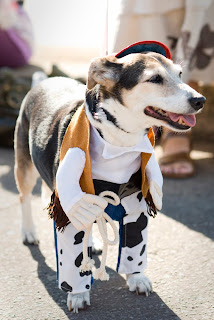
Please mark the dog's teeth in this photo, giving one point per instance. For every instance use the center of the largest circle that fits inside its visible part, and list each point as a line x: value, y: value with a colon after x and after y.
x: 180, y: 121
x: 161, y: 111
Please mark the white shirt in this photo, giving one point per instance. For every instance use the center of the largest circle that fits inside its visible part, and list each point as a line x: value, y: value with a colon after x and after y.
x: 109, y: 163
x: 115, y: 164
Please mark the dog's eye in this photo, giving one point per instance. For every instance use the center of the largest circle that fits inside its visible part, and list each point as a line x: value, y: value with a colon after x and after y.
x: 156, y: 79
x: 180, y: 74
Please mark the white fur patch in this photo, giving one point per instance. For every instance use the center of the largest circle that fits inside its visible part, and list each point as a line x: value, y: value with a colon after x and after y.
x: 77, y: 301
x: 28, y: 230
x: 140, y: 283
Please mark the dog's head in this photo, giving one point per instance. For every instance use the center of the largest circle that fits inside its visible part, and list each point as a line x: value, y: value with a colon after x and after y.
x: 148, y: 85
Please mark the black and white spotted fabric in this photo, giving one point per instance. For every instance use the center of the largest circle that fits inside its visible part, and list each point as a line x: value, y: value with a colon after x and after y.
x: 133, y: 256
x: 133, y: 247
x: 70, y: 255
x: 107, y: 164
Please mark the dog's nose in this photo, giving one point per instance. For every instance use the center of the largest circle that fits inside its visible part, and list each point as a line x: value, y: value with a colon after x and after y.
x: 197, y: 103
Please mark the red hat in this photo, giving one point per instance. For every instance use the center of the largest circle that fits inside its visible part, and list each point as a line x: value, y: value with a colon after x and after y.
x: 143, y: 46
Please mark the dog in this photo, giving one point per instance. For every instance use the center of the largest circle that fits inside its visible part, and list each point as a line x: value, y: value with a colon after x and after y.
x: 125, y: 96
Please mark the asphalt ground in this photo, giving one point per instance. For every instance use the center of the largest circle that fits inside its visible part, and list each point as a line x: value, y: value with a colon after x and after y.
x: 180, y: 256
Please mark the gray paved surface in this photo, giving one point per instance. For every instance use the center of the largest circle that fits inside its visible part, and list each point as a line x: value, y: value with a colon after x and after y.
x: 181, y: 257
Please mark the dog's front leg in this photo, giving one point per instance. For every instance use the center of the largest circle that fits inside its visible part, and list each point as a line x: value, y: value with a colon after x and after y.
x: 69, y: 257
x: 133, y: 244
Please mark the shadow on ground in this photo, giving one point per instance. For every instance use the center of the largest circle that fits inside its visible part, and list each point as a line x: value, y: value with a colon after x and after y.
x: 190, y: 201
x: 109, y: 300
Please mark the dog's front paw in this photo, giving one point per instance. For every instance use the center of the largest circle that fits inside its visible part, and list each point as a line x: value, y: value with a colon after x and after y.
x: 77, y: 301
x: 29, y: 237
x: 140, y: 283
x: 156, y: 193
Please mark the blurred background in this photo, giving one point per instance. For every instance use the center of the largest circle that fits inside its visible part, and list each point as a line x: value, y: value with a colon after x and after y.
x: 44, y: 38
x: 62, y: 37
x: 68, y: 32
x: 55, y: 37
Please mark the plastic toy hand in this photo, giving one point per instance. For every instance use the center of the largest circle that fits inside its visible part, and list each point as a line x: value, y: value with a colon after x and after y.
x: 156, y: 193
x: 86, y: 211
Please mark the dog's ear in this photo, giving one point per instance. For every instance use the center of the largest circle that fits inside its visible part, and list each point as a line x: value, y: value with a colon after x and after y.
x: 105, y: 71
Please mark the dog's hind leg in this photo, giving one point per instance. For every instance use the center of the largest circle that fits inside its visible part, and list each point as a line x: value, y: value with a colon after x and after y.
x: 25, y: 176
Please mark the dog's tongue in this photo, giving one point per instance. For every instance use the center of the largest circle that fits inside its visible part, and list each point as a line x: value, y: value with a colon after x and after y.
x: 189, y: 119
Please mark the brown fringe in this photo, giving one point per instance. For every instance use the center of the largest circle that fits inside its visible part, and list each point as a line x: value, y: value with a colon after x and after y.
x: 56, y: 212
x: 151, y: 209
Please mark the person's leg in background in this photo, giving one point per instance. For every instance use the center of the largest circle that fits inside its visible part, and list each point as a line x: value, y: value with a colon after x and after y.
x: 175, y: 161
x: 142, y: 20
x: 132, y: 27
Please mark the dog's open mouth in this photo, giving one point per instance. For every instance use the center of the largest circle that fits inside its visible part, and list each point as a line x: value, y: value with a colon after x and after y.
x: 179, y: 121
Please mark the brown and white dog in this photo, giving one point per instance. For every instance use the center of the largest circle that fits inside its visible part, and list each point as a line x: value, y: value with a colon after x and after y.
x: 124, y: 97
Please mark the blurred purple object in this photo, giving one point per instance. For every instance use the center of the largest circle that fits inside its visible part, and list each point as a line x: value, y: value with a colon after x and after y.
x: 16, y: 39
x: 14, y: 52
